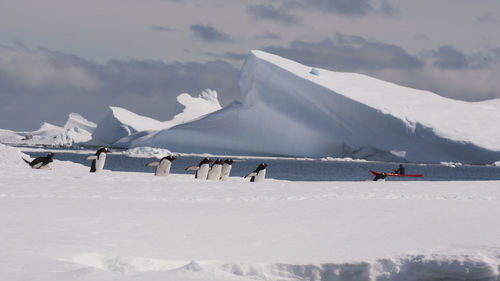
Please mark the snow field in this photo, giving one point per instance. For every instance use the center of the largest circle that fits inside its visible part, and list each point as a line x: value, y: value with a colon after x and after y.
x: 68, y: 224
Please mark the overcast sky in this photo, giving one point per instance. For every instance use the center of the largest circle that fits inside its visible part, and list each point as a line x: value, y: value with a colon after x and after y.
x: 60, y: 56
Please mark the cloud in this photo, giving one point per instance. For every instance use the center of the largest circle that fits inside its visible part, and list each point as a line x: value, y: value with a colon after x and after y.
x: 209, y: 34
x: 268, y: 36
x: 445, y: 71
x: 486, y: 18
x: 59, y: 84
x: 271, y: 13
x: 348, y: 53
x: 161, y: 28
x: 235, y: 56
x: 347, y: 7
x: 448, y: 57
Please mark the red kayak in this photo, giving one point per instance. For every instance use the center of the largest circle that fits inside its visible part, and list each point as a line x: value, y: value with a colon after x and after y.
x: 375, y: 173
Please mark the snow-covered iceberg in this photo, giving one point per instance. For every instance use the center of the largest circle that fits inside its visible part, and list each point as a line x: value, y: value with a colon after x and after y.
x: 287, y: 110
x: 123, y: 128
x: 76, y: 130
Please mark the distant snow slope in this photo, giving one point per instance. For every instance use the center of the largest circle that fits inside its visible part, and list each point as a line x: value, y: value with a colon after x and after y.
x: 287, y: 110
x: 68, y: 224
x: 122, y: 127
x: 76, y: 130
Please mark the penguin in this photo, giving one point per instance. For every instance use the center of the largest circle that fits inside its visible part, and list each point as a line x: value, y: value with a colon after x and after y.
x: 215, y: 170
x: 259, y: 174
x: 42, y: 162
x: 98, y: 159
x: 380, y: 176
x: 226, y: 169
x: 162, y: 166
x: 202, y: 169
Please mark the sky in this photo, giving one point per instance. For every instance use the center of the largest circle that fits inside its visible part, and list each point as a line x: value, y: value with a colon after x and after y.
x: 59, y: 56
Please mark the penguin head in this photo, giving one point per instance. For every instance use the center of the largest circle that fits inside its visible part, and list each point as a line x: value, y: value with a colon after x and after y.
x: 50, y: 155
x: 170, y: 158
x: 229, y: 161
x: 262, y: 166
x: 218, y: 162
x: 103, y: 150
x: 205, y: 160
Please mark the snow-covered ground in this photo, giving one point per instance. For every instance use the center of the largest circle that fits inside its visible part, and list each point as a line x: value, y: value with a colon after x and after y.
x: 67, y: 224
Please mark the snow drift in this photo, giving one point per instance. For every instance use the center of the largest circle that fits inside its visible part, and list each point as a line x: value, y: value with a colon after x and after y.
x: 290, y: 110
x: 122, y: 127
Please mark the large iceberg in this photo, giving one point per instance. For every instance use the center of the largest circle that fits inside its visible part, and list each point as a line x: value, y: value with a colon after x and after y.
x: 290, y: 110
x: 124, y: 128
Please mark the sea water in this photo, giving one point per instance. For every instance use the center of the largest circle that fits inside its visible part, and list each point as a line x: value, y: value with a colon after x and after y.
x: 299, y: 169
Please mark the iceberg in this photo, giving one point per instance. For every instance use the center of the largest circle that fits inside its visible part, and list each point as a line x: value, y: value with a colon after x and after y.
x: 123, y: 128
x: 76, y: 130
x: 289, y: 111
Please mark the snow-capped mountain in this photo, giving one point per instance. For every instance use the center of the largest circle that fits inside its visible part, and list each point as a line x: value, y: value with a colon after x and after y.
x: 293, y: 110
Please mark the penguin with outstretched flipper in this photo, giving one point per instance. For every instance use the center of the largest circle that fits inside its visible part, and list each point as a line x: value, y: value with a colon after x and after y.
x: 162, y: 166
x: 42, y: 162
x: 258, y: 174
x: 202, y: 169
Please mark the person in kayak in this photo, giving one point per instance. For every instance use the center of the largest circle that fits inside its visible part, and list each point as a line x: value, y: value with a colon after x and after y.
x: 400, y: 170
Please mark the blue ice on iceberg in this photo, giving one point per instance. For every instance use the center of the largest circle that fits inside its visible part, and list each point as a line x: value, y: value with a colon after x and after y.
x: 314, y: 71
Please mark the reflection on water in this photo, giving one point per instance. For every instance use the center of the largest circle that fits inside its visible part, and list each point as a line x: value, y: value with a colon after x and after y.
x: 297, y: 170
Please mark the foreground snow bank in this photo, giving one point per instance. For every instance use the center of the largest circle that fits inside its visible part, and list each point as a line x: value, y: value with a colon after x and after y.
x: 67, y: 224
x: 288, y: 111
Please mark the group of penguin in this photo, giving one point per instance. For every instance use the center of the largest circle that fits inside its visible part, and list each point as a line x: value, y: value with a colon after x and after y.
x: 219, y: 170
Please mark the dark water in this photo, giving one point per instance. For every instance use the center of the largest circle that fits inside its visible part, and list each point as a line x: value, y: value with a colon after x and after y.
x: 296, y: 170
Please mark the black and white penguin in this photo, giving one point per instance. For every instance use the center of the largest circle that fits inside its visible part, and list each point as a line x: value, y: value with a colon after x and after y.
x: 202, y: 169
x: 98, y: 159
x: 162, y: 166
x: 42, y: 162
x: 259, y: 174
x: 215, y: 170
x: 226, y: 169
x: 380, y: 176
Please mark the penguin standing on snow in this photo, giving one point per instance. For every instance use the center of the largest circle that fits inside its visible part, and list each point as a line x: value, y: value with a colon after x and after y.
x: 98, y: 159
x: 226, y: 169
x: 162, y: 166
x: 259, y: 174
x: 215, y: 170
x: 42, y: 162
x: 202, y: 169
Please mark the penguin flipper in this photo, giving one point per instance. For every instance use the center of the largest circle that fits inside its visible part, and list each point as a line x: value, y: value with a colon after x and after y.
x: 192, y: 168
x: 153, y: 163
x: 28, y: 162
x: 91, y: 157
x: 252, y: 174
